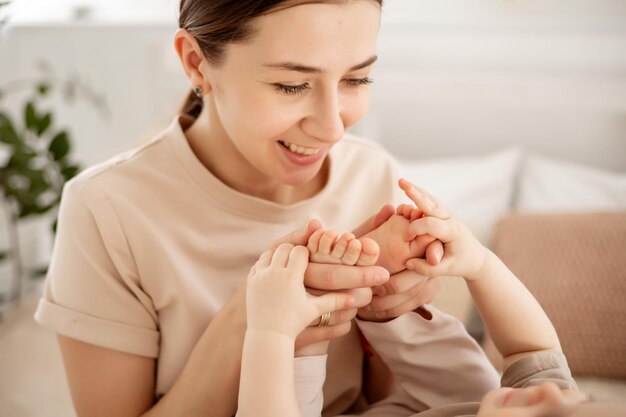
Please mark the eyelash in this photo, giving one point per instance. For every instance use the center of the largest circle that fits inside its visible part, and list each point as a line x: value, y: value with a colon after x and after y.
x: 300, y: 89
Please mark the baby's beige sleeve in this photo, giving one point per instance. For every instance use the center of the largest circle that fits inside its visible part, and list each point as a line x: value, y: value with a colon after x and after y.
x: 538, y: 368
x: 93, y: 292
x: 435, y: 361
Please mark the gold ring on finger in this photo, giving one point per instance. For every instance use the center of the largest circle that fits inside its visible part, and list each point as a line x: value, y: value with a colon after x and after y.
x: 324, y: 320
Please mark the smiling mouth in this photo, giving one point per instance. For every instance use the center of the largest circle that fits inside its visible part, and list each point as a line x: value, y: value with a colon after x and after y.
x: 299, y: 150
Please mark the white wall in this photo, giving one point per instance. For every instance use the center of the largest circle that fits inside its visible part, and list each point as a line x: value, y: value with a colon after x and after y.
x: 457, y: 77
x: 454, y: 76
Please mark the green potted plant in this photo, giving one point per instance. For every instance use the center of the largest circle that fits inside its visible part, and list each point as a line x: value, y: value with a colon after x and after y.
x: 35, y: 161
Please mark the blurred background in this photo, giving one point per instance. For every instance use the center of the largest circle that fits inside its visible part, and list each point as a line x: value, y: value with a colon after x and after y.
x: 499, y: 107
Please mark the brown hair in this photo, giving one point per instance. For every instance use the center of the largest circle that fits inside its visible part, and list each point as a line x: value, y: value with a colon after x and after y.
x: 216, y: 23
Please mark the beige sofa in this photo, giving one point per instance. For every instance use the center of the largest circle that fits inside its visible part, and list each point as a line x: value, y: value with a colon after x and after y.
x: 575, y: 265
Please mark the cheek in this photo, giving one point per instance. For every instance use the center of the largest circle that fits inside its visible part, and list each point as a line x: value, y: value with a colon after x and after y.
x: 355, y: 108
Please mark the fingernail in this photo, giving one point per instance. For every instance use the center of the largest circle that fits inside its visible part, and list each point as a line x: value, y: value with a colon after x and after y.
x: 381, y: 278
x: 380, y: 290
x: 367, y: 308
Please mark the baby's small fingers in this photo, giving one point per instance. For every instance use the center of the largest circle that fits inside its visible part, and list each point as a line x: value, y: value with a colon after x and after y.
x: 298, y: 261
x: 281, y: 255
x: 424, y: 201
x: 437, y: 228
x: 434, y: 252
x: 422, y: 267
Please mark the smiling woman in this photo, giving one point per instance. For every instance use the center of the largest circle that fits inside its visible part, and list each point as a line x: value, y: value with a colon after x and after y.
x: 148, y: 283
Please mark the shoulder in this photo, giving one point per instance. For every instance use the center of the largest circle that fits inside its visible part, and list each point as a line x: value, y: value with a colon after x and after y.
x: 125, y: 171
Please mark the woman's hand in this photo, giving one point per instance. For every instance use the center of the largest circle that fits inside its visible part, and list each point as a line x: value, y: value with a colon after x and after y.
x: 276, y: 299
x: 320, y: 279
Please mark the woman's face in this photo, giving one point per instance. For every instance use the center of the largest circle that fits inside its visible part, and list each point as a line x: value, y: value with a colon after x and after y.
x: 284, y: 97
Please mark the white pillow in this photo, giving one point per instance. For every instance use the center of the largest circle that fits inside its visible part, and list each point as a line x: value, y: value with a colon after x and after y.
x: 549, y: 185
x: 477, y: 189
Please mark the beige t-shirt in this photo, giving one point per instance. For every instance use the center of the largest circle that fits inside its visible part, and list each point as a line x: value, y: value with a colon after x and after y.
x: 150, y: 245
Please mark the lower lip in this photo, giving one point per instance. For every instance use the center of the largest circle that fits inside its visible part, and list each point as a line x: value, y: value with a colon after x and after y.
x: 301, y: 160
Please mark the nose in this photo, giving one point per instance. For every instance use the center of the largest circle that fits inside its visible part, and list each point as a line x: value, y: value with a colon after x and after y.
x: 325, y: 121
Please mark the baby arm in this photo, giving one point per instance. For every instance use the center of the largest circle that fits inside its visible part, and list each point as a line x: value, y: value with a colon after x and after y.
x: 515, y: 320
x: 278, y: 309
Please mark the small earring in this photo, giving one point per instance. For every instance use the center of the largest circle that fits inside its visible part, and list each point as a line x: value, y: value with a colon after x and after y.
x: 198, y: 91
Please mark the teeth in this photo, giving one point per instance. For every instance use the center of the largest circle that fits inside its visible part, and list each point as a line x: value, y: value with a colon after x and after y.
x: 300, y: 149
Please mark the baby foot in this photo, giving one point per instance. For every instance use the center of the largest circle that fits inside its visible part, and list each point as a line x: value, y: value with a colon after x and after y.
x: 325, y: 247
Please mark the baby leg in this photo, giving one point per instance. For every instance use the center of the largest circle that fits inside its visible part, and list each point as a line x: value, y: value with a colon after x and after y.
x: 325, y: 247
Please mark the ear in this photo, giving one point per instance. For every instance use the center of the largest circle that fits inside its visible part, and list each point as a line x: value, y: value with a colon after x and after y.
x: 192, y: 59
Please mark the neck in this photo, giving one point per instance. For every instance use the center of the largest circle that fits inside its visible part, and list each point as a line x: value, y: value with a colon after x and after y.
x: 214, y: 149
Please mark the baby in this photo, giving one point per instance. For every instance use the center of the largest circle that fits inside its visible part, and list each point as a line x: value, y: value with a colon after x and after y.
x: 536, y: 380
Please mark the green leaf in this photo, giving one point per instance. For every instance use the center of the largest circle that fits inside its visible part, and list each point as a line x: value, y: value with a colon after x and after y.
x: 44, y: 124
x: 8, y: 134
x: 39, y: 272
x: 59, y: 146
x: 70, y: 172
x: 43, y: 89
x: 30, y: 116
x: 4, y: 255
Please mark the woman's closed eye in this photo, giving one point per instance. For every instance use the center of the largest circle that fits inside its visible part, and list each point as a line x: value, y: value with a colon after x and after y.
x: 302, y: 88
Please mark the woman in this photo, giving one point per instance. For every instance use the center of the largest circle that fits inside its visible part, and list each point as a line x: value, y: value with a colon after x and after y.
x: 146, y: 288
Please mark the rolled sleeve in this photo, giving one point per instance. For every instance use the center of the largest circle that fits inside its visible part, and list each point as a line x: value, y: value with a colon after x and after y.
x: 93, y: 292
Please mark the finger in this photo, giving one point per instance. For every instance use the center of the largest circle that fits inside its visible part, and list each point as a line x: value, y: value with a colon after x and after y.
x: 337, y: 317
x: 352, y: 252
x: 328, y: 303
x: 419, y: 245
x: 317, y: 334
x: 362, y: 296
x: 314, y: 241
x: 400, y: 282
x: 339, y: 249
x: 373, y: 222
x: 434, y: 252
x: 298, y: 261
x: 301, y: 236
x: 338, y: 277
x: 404, y: 210
x: 409, y: 304
x: 423, y: 200
x: 416, y: 214
x: 422, y: 267
x: 326, y: 242
x: 389, y: 307
x: 266, y: 258
x: 433, y: 226
x: 281, y: 255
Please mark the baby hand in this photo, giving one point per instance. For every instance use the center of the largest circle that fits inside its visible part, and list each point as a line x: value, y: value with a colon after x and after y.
x: 276, y: 298
x: 463, y: 254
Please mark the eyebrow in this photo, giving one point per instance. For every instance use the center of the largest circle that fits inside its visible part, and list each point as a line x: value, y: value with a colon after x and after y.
x: 290, y: 66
